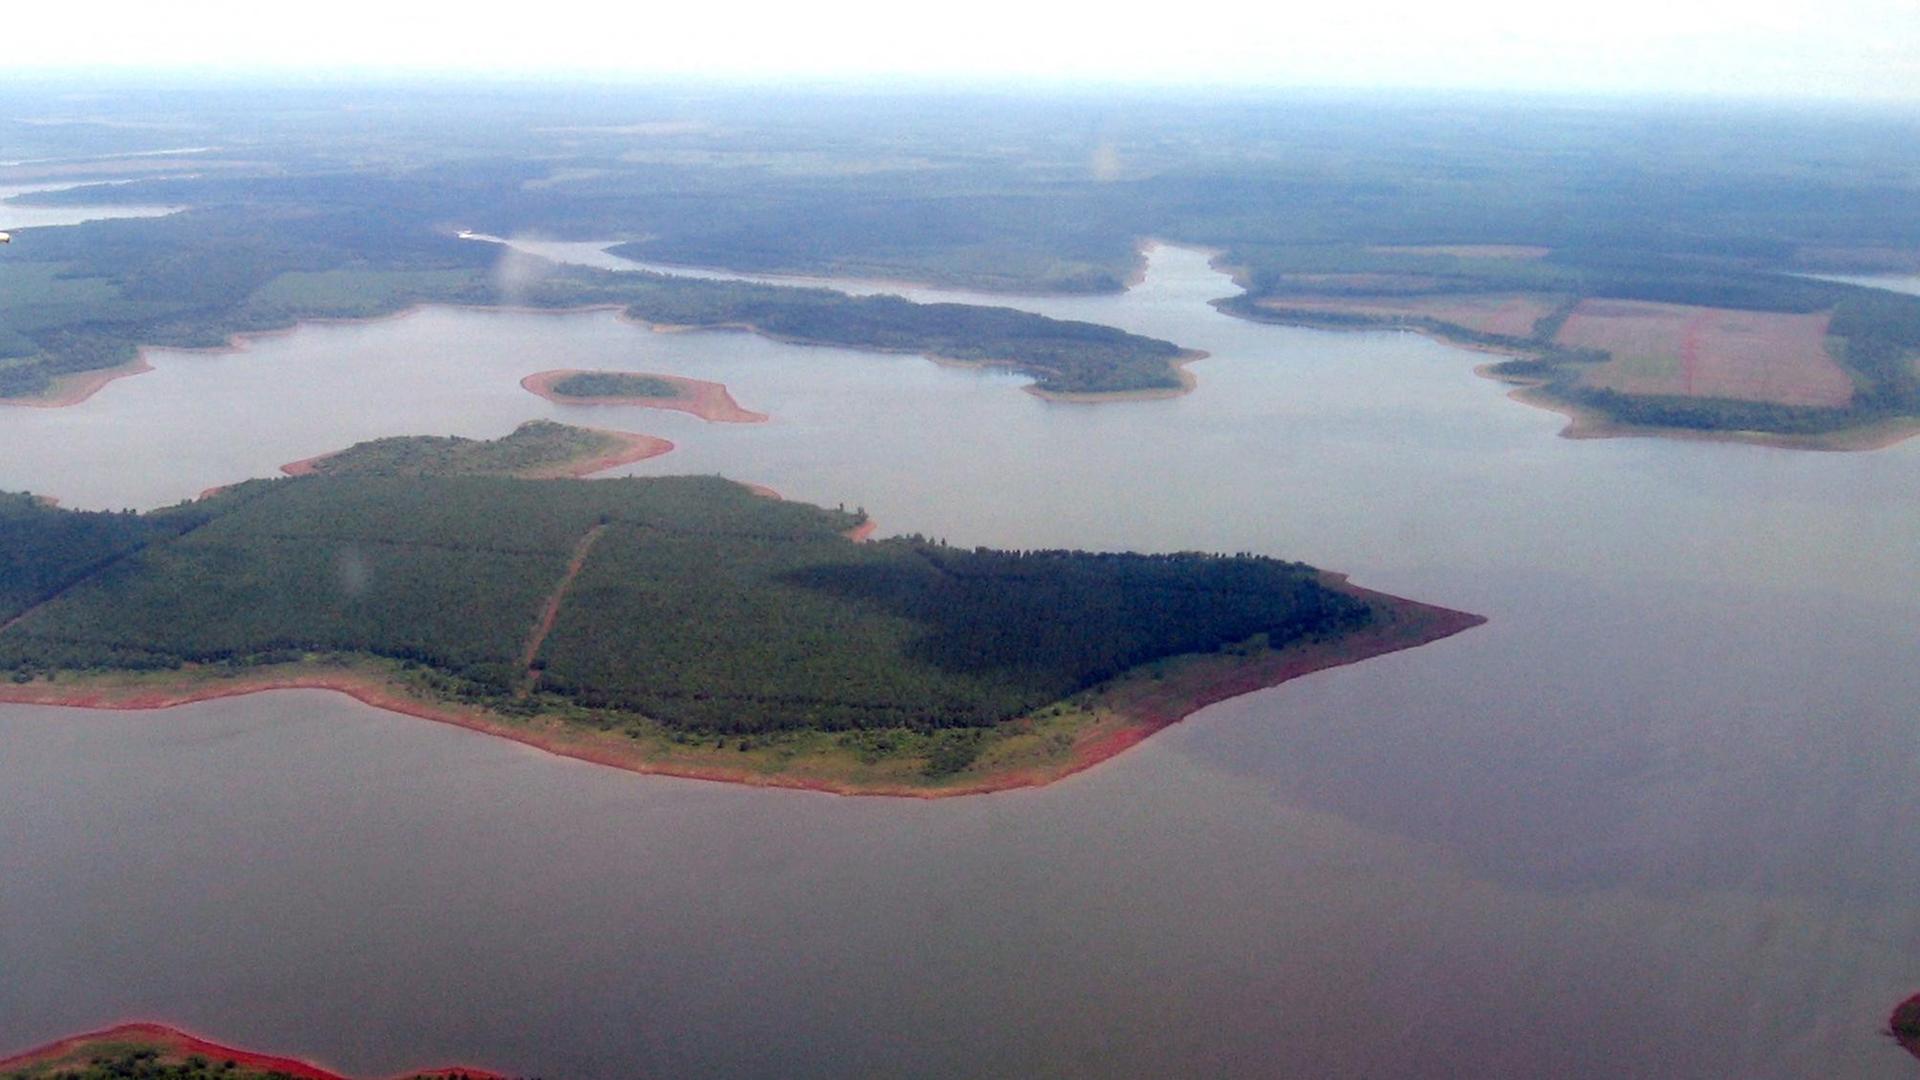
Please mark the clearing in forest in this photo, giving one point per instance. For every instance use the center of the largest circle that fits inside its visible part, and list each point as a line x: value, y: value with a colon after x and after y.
x: 1683, y: 351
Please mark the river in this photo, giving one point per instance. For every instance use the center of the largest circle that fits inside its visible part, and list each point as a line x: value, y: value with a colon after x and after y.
x: 1654, y: 818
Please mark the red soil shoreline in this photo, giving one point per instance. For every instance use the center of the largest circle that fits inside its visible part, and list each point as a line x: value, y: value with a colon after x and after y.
x: 633, y: 447
x: 1131, y: 710
x: 707, y: 400
x: 175, y: 1042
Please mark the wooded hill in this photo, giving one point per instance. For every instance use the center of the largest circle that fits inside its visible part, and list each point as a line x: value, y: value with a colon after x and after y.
x: 533, y: 446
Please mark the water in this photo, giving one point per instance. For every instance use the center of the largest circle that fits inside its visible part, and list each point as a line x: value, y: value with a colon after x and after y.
x: 1900, y: 283
x: 1655, y: 818
x: 15, y: 217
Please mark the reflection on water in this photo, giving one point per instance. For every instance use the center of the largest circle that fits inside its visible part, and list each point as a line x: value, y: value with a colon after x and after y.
x: 1900, y: 283
x: 1654, y: 818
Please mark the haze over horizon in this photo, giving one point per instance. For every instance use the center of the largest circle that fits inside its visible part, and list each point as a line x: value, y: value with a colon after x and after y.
x: 1862, y: 50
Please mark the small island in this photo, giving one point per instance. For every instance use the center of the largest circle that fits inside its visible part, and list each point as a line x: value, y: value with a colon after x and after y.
x: 706, y: 400
x: 682, y: 625
x: 144, y: 1051
x: 536, y: 450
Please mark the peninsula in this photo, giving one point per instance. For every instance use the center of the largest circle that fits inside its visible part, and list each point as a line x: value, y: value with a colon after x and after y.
x: 679, y: 625
x: 1627, y: 346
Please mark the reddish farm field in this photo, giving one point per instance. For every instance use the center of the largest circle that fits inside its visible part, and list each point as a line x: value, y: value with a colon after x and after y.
x: 1674, y: 349
x: 1508, y: 314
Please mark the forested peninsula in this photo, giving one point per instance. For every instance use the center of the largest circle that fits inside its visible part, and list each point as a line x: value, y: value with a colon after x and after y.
x: 79, y: 303
x: 679, y: 625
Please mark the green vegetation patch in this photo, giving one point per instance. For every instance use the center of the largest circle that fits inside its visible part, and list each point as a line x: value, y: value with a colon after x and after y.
x: 1062, y: 355
x: 732, y: 634
x: 615, y: 384
x: 699, y: 608
x: 352, y: 291
x: 92, y: 294
x: 44, y: 550
x: 531, y: 447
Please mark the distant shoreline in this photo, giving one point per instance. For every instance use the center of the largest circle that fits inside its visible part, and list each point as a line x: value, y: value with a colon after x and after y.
x: 1107, y: 720
x: 1584, y: 422
x: 85, y: 384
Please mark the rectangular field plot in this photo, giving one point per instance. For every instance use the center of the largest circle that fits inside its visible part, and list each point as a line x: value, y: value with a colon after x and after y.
x: 1682, y: 351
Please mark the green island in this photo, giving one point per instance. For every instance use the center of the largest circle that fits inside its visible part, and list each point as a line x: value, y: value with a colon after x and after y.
x: 681, y: 624
x: 148, y: 1051
x: 614, y: 384
x: 534, y: 450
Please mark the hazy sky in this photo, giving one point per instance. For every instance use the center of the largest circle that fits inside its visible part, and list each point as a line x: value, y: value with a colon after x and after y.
x: 1746, y: 48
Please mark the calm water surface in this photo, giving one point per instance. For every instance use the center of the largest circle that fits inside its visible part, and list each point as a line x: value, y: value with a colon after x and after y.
x: 14, y: 217
x: 1655, y: 818
x: 1900, y: 283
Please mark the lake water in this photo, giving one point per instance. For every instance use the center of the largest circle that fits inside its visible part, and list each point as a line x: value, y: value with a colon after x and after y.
x: 14, y: 217
x: 1900, y: 283
x: 1655, y: 818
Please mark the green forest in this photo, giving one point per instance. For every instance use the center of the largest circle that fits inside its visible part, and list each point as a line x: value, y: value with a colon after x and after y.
x: 529, y: 448
x: 701, y: 608
x: 614, y: 384
x: 87, y: 297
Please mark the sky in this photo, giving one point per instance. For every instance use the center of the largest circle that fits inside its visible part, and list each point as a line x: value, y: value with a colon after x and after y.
x: 1778, y: 49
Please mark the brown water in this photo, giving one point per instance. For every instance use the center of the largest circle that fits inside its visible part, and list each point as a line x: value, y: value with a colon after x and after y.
x: 1655, y: 818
